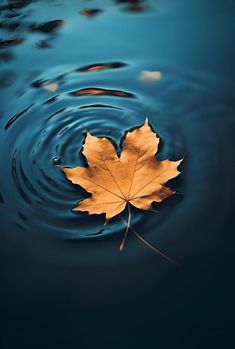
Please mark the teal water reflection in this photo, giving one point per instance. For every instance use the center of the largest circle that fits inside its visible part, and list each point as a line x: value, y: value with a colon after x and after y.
x: 68, y: 66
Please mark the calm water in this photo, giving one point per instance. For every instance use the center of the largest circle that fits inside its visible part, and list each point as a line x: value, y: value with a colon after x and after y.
x: 68, y: 66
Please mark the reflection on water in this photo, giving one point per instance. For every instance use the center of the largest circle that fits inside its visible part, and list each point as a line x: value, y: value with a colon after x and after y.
x: 132, y: 5
x: 48, y: 27
x: 90, y: 12
x: 101, y: 66
x: 104, y: 66
x: 15, y: 117
x: 12, y: 42
x: 47, y: 123
x: 15, y: 4
x: 6, y: 56
x: 101, y: 92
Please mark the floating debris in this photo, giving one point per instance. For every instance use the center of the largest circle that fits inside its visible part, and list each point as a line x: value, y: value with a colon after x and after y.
x: 101, y: 66
x: 90, y: 12
x: 149, y: 76
x: 101, y: 92
x: 51, y: 87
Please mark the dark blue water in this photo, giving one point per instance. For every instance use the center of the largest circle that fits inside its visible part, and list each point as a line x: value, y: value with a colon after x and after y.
x: 69, y: 66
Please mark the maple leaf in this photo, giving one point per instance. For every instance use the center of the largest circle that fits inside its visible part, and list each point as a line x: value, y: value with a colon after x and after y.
x: 135, y: 177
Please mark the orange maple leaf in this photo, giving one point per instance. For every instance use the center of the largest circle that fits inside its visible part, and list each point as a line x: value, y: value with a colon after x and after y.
x: 135, y: 177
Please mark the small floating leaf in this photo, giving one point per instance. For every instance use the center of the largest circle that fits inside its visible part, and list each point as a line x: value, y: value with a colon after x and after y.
x: 147, y: 75
x: 51, y: 87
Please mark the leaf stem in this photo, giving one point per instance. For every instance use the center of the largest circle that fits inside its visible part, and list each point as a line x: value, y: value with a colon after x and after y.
x: 128, y: 225
x: 156, y: 250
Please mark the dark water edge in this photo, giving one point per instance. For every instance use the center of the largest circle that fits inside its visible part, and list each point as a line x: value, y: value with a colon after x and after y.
x: 68, y: 66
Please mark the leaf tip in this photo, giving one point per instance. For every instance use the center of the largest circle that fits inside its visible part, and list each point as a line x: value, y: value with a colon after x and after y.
x: 63, y: 169
x: 76, y: 208
x: 88, y: 134
x: 179, y: 161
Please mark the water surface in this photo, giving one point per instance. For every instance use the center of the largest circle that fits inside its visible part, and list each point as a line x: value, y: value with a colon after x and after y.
x: 69, y: 66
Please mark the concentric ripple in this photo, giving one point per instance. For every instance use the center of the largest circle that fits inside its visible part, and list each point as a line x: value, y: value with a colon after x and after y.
x: 57, y: 122
x: 47, y: 127
x: 66, y: 74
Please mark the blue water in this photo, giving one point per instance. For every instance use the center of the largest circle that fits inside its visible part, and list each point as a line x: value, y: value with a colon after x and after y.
x: 69, y: 66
